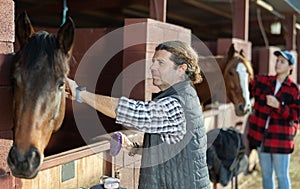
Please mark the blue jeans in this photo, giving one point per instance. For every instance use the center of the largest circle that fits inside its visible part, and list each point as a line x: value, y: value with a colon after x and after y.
x: 278, y: 162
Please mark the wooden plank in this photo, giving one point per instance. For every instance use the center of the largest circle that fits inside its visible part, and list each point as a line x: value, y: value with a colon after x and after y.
x: 30, y: 183
x: 126, y: 176
x: 90, y: 169
x: 49, y: 178
x: 74, y: 154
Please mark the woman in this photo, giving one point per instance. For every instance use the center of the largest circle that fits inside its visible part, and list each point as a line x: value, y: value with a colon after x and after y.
x: 274, y: 122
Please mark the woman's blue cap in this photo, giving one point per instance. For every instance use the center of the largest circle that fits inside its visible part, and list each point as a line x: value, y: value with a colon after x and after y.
x: 287, y: 55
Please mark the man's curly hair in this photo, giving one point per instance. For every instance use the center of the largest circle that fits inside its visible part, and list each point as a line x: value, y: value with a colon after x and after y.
x: 182, y: 53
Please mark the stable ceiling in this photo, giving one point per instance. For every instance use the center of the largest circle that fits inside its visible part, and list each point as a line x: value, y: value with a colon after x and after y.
x: 208, y: 19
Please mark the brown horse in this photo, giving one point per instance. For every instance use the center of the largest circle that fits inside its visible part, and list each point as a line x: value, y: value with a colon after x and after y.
x: 233, y: 87
x: 41, y: 67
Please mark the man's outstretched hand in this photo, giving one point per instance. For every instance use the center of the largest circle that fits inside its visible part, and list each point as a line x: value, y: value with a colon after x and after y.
x: 71, y: 86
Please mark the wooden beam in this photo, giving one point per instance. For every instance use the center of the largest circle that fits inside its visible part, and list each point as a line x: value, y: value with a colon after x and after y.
x: 183, y: 19
x: 74, y: 154
x: 208, y: 8
x: 158, y: 10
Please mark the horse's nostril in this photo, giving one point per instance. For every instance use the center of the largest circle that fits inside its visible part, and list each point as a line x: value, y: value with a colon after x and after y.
x: 241, y: 107
x: 12, y: 155
x: 34, y: 157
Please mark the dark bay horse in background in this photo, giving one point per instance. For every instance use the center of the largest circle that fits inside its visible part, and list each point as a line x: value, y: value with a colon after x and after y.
x: 237, y: 74
x: 41, y: 67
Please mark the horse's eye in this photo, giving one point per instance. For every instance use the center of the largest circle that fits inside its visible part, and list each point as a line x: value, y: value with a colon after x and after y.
x: 60, y: 85
x: 231, y: 73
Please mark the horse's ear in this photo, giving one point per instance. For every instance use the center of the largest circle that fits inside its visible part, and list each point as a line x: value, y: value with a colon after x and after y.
x: 242, y: 53
x: 65, y: 35
x: 231, y: 51
x: 24, y: 29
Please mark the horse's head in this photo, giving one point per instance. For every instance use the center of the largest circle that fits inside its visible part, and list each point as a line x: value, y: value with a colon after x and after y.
x: 40, y: 70
x: 238, y: 73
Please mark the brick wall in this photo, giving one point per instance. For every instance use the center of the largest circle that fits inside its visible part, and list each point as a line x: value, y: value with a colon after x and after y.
x: 6, y: 46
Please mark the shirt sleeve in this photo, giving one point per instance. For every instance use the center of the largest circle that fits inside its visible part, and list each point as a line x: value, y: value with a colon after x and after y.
x: 165, y: 117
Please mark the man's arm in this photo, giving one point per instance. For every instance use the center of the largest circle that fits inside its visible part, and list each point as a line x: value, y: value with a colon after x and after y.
x: 104, y: 104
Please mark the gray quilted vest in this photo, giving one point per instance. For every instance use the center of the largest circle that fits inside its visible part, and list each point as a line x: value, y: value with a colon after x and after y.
x: 181, y: 165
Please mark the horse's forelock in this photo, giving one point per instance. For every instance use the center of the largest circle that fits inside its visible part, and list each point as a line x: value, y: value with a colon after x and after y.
x: 43, y: 51
x: 40, y: 64
x: 237, y: 56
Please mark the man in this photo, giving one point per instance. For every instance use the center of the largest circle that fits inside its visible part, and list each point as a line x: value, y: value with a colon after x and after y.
x: 174, y: 147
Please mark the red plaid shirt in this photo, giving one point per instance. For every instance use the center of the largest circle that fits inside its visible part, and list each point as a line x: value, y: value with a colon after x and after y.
x: 283, y: 125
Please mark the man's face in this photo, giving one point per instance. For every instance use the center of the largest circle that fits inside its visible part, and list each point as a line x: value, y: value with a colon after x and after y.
x: 164, y: 71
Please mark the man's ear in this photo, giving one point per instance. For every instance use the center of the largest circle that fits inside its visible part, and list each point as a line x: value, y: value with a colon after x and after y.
x: 182, y: 68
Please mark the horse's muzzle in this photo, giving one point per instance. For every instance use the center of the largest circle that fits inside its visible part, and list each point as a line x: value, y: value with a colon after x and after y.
x: 24, y: 165
x: 241, y: 109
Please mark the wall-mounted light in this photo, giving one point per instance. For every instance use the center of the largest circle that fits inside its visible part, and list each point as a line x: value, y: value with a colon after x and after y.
x: 275, y: 28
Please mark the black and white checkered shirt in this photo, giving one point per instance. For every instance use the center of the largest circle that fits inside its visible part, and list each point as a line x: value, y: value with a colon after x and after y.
x: 165, y: 117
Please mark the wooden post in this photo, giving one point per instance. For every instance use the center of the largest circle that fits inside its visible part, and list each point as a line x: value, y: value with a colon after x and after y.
x: 215, y: 186
x: 240, y: 25
x: 298, y: 52
x: 290, y: 40
x: 290, y: 32
x: 158, y: 10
